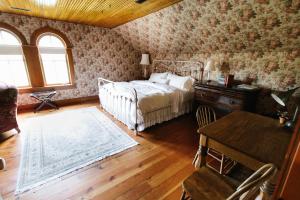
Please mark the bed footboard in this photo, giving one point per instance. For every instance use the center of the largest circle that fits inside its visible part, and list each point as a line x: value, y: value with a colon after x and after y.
x: 125, y: 99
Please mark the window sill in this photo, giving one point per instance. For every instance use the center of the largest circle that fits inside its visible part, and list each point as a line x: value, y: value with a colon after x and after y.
x: 45, y: 88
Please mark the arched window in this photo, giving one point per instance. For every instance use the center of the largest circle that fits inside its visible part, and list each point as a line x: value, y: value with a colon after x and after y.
x: 54, y: 59
x: 13, y: 69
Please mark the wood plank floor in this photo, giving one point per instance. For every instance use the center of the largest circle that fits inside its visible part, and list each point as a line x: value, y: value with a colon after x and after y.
x: 152, y: 170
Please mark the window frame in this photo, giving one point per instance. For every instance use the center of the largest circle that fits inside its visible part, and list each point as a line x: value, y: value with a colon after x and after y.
x: 18, y: 36
x: 68, y: 48
x: 41, y: 61
x: 32, y: 60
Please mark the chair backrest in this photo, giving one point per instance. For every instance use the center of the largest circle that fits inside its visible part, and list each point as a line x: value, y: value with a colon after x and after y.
x: 252, y: 184
x: 205, y: 115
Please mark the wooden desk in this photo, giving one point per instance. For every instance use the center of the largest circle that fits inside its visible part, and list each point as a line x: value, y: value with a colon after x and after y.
x: 250, y: 139
x: 225, y: 100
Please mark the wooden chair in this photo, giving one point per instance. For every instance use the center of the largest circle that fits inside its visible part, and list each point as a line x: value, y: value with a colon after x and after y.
x: 220, y: 163
x: 205, y: 184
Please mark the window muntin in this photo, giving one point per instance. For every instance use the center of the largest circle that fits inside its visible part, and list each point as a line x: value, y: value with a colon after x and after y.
x: 54, y: 60
x: 12, y: 65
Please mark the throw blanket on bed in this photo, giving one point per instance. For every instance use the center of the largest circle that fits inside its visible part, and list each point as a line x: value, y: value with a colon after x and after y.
x: 151, y: 96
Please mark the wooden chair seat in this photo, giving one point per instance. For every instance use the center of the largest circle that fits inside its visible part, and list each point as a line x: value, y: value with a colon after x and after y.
x: 205, y: 184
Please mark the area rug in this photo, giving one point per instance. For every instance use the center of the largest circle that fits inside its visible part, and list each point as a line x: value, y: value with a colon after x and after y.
x: 57, y: 144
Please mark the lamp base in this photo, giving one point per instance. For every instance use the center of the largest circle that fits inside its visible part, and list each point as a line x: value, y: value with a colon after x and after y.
x: 145, y: 74
x: 291, y: 123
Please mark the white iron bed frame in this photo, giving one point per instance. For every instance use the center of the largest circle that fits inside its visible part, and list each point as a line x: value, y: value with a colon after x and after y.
x: 191, y: 68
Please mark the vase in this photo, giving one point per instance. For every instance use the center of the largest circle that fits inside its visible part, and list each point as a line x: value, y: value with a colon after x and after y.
x: 281, y: 120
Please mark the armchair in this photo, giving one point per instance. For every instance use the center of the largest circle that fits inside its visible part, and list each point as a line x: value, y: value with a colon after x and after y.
x: 8, y: 108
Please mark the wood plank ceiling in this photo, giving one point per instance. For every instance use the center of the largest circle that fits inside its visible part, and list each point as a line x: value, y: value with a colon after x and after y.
x: 104, y: 13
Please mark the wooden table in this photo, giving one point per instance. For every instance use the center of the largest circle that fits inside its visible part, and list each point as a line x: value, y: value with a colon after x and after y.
x: 250, y: 139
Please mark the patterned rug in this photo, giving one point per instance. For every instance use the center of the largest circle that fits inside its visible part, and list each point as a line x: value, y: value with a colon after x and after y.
x: 57, y: 144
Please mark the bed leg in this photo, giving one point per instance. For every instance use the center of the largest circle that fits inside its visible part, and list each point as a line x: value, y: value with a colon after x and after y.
x: 136, y: 133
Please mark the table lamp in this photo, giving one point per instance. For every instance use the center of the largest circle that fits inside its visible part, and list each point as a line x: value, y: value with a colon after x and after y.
x: 208, y: 68
x: 145, y: 61
x: 282, y: 100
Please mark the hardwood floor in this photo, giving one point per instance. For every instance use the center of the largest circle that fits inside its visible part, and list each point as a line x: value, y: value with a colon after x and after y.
x: 152, y: 170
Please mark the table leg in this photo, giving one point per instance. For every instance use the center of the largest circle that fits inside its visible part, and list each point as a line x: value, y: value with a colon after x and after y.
x: 202, y: 152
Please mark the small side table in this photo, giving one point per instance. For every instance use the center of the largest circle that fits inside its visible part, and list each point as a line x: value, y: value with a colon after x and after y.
x: 45, y: 99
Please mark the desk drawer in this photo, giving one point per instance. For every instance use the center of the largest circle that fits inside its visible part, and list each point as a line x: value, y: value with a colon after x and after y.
x: 206, y: 95
x: 233, y: 103
x: 225, y: 99
x: 211, y: 98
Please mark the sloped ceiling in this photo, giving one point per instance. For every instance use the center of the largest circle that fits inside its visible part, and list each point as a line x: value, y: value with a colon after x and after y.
x: 205, y: 26
x: 103, y: 13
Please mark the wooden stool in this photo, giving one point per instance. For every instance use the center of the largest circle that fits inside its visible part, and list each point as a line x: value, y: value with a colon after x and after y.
x: 45, y: 99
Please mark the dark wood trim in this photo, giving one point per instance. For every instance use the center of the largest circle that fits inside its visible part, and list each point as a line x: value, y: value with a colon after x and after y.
x: 28, y: 54
x: 33, y: 43
x: 33, y: 62
x: 15, y: 31
x: 31, y: 55
x: 63, y: 102
x: 291, y: 152
x: 71, y: 65
x: 47, y: 29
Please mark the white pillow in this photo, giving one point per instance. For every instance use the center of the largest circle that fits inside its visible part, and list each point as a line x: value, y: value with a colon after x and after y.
x: 181, y: 82
x: 156, y: 77
x: 162, y: 81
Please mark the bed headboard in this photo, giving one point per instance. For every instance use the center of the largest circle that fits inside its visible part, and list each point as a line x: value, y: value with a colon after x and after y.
x: 180, y: 67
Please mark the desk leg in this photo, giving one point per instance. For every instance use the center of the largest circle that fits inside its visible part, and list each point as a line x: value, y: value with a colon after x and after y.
x: 202, y: 152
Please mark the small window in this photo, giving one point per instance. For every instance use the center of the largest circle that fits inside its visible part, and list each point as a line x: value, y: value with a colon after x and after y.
x: 54, y: 60
x: 12, y: 66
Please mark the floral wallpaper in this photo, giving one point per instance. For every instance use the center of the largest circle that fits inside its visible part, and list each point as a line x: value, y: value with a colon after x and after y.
x: 97, y: 52
x: 257, y: 38
x: 273, y: 70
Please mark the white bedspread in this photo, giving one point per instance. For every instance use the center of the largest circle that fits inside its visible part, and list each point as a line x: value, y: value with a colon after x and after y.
x: 151, y: 96
x: 156, y: 102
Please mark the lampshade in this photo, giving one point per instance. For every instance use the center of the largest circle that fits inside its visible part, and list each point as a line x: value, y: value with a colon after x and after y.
x: 208, y: 66
x: 145, y: 59
x: 278, y: 99
x: 283, y: 98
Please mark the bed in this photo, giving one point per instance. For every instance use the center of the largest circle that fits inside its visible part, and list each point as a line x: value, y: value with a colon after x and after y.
x: 166, y: 95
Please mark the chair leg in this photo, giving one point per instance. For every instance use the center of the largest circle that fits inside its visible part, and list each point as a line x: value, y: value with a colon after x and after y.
x: 195, y: 158
x: 183, y: 195
x: 222, y: 164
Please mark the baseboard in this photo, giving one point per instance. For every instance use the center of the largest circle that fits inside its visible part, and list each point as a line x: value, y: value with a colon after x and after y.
x: 63, y: 102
